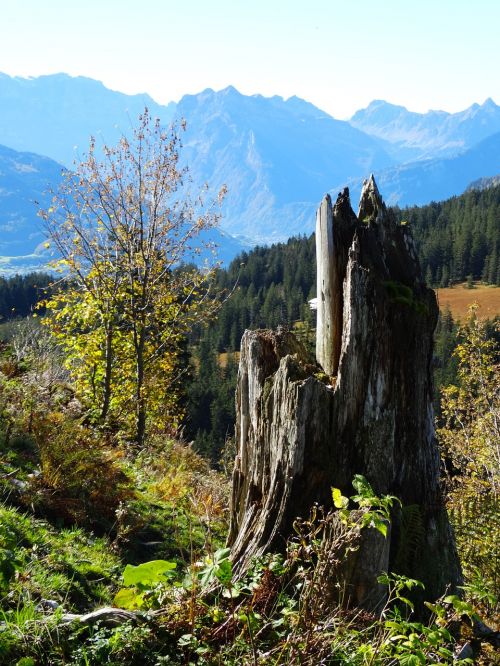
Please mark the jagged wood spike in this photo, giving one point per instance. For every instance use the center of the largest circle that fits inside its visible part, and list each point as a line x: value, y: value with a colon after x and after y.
x: 325, y: 321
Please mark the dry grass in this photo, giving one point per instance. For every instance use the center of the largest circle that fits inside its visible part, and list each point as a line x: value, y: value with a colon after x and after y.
x: 459, y: 298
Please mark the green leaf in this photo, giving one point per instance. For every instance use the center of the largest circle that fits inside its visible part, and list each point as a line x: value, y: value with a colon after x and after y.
x: 148, y: 573
x: 438, y: 610
x: 380, y: 525
x: 221, y: 555
x: 390, y: 624
x: 187, y: 640
x: 450, y: 599
x: 224, y: 572
x: 362, y: 487
x: 434, y: 638
x: 339, y: 500
x: 406, y: 601
x: 444, y: 652
x: 410, y: 660
x: 232, y: 592
x: 128, y: 598
x: 384, y: 579
x: 460, y: 606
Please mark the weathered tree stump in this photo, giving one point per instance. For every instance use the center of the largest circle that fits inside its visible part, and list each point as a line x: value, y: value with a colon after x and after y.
x: 364, y: 407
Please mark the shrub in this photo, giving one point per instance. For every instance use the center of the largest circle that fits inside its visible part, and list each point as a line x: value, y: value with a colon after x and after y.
x: 82, y: 479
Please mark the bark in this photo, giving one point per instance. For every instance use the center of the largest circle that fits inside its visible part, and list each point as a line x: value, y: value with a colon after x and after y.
x: 140, y: 403
x: 105, y: 616
x: 107, y: 373
x: 299, y: 433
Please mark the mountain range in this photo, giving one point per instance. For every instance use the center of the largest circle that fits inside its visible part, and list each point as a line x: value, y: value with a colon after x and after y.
x: 55, y: 115
x: 418, y: 183
x: 277, y: 157
x: 427, y: 135
x: 24, y: 178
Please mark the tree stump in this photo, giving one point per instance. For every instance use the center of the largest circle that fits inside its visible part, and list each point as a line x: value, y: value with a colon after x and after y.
x: 363, y: 407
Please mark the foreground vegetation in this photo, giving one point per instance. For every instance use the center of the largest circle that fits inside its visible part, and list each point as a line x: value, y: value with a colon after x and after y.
x: 81, y: 518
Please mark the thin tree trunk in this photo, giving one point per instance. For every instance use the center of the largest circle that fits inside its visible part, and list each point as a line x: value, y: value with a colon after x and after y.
x: 139, y: 395
x: 107, y: 374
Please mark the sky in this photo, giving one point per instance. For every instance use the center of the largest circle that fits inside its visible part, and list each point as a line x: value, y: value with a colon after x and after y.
x: 337, y: 54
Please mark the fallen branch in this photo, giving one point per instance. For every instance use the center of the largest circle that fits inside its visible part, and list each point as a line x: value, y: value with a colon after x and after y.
x: 107, y: 616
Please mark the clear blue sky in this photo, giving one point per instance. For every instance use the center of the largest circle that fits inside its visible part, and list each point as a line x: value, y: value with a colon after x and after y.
x: 338, y: 54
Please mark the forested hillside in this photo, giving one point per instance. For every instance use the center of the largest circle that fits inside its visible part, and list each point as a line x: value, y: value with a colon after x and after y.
x: 20, y: 293
x: 458, y: 237
x: 271, y: 286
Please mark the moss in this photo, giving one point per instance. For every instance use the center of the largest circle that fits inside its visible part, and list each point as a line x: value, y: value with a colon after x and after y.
x: 324, y: 378
x: 401, y: 294
x: 268, y: 387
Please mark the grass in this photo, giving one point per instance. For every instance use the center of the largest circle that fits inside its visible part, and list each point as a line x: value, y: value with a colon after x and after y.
x: 459, y: 297
x: 178, y: 511
x: 70, y: 566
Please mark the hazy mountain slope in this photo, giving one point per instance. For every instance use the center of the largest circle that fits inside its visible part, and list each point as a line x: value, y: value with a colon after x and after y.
x: 420, y: 182
x: 484, y: 183
x: 24, y: 177
x: 24, y: 180
x: 431, y: 134
x: 276, y: 157
x: 50, y: 115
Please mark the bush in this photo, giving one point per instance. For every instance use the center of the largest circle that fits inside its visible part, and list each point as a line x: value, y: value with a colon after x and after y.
x: 82, y: 479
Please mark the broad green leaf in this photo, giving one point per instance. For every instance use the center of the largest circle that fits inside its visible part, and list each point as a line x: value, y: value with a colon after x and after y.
x: 207, y: 575
x: 224, y: 572
x: 362, y: 487
x: 148, y: 573
x: 221, y: 555
x: 128, y: 598
x: 380, y: 525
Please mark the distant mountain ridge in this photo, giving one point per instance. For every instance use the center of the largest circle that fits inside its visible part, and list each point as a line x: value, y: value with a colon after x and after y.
x: 25, y: 179
x: 431, y: 134
x: 484, y: 183
x: 277, y: 156
x: 420, y: 182
x: 55, y: 115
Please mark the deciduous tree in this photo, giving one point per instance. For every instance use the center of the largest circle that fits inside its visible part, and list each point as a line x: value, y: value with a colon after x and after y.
x: 123, y: 226
x: 470, y: 438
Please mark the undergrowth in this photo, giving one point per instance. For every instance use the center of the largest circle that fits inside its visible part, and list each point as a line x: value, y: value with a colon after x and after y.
x: 86, y: 523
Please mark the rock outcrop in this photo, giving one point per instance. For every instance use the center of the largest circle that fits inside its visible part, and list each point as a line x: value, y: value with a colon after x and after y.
x: 363, y: 407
